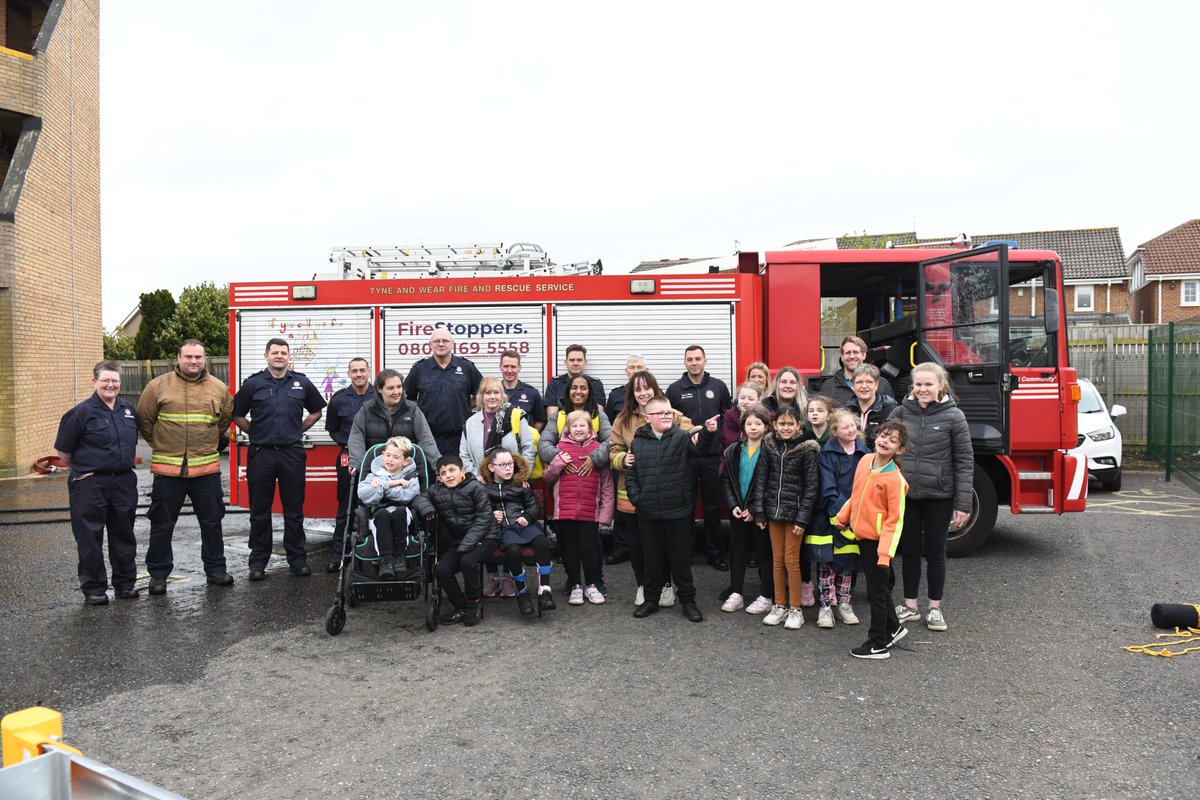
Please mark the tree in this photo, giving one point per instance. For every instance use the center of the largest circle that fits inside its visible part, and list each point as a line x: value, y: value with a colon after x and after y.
x: 157, y: 308
x: 202, y: 313
x: 118, y: 347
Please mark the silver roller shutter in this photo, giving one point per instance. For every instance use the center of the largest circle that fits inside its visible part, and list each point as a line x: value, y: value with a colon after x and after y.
x: 481, y: 334
x: 658, y: 331
x: 322, y: 341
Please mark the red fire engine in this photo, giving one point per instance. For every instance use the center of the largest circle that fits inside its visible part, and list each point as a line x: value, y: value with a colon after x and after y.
x: 1009, y: 371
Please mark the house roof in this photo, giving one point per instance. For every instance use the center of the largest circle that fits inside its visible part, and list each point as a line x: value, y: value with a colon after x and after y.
x: 1176, y: 251
x: 648, y: 266
x: 1085, y: 252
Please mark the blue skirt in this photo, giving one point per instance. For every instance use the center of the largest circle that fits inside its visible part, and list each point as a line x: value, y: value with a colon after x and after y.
x: 517, y: 535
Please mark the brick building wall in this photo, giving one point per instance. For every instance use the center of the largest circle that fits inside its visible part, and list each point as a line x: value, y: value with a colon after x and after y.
x: 1143, y: 306
x: 1106, y: 298
x: 50, y: 323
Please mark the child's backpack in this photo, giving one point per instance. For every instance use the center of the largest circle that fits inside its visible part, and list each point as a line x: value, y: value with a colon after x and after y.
x: 535, y: 469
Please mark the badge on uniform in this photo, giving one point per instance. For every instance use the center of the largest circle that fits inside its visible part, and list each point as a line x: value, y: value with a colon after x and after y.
x: 345, y: 462
x: 709, y: 394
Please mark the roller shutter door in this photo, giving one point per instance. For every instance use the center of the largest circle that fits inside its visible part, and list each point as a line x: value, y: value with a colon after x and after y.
x: 481, y: 334
x: 657, y: 331
x: 322, y: 341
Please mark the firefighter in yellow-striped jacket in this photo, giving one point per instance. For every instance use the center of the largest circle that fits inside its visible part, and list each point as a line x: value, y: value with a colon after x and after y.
x: 185, y: 416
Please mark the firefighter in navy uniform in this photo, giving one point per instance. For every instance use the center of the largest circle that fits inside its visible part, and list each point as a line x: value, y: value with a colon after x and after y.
x: 339, y: 418
x: 276, y: 400
x: 443, y: 386
x: 98, y: 440
x: 698, y: 395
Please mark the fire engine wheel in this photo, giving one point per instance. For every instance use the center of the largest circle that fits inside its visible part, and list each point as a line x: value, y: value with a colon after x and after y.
x: 978, y: 527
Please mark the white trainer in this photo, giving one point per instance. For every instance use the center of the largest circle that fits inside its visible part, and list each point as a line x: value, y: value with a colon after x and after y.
x: 667, y: 598
x: 733, y: 603
x: 760, y: 606
x: 846, y: 614
x: 640, y: 597
x: 935, y: 621
x: 593, y: 595
x: 795, y: 620
x: 576, y: 598
x: 825, y: 617
x: 775, y: 615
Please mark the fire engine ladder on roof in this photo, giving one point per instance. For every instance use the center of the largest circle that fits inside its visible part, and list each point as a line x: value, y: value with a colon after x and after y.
x: 458, y: 261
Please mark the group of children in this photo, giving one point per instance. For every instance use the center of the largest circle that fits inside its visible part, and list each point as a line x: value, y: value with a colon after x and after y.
x: 803, y: 484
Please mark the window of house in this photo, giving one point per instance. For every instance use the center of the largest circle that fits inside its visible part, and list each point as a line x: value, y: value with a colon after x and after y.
x: 1189, y: 293
x: 1085, y: 298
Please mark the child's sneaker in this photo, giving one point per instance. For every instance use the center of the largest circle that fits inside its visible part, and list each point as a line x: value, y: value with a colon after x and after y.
x: 825, y: 617
x: 508, y: 587
x: 733, y: 602
x: 593, y: 595
x: 846, y: 614
x: 868, y: 650
x: 546, y: 600
x: 807, y: 598
x: 897, y: 635
x: 576, y: 598
x: 775, y: 615
x: 640, y: 597
x: 761, y: 605
x: 906, y: 613
x: 667, y: 598
x: 934, y: 620
x: 491, y: 586
x: 795, y: 620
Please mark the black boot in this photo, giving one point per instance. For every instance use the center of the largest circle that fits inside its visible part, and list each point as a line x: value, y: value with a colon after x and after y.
x: 387, y: 568
x: 474, y: 615
x: 546, y: 601
x: 525, y: 604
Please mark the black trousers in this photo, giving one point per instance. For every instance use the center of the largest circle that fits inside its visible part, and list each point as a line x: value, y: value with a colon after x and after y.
x: 926, y: 528
x: 578, y: 543
x: 745, y: 538
x: 391, y: 525
x: 637, y: 555
x: 344, y: 484
x: 451, y: 562
x: 884, y: 621
x: 166, y: 501
x: 100, y: 502
x: 265, y: 467
x: 668, y: 540
x: 514, y: 559
x: 447, y: 445
x: 705, y: 472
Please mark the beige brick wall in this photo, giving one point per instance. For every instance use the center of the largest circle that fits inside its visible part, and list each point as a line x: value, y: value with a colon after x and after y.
x: 51, y: 252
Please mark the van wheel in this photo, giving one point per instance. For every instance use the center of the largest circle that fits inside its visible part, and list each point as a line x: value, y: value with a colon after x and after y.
x: 978, y: 527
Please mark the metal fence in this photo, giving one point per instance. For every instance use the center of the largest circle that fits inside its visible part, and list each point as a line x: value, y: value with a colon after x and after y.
x: 1173, y: 399
x: 1115, y: 358
x: 136, y: 374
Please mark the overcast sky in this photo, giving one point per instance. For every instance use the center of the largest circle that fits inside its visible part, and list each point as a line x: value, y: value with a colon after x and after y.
x: 241, y: 141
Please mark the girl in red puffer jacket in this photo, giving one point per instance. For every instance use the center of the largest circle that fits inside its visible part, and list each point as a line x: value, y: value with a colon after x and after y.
x: 583, y: 501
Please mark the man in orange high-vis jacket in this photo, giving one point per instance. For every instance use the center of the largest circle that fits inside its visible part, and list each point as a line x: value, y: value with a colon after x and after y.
x: 185, y: 416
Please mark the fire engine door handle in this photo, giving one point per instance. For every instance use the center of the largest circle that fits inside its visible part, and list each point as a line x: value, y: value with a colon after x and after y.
x: 975, y: 377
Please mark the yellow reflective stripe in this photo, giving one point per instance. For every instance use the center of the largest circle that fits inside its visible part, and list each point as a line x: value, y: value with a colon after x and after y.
x: 879, y: 524
x: 846, y: 548
x: 178, y: 460
x: 207, y: 419
x: 161, y: 459
x: 197, y: 461
x: 818, y: 539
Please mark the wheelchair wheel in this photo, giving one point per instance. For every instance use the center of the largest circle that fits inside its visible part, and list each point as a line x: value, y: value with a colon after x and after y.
x: 335, y: 620
x: 431, y: 617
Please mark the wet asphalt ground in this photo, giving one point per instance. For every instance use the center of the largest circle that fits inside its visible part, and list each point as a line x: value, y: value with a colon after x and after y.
x: 239, y: 691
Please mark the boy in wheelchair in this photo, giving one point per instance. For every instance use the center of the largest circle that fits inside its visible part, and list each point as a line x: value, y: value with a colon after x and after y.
x: 385, y: 491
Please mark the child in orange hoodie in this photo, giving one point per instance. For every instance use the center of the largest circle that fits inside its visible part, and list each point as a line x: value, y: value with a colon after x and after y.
x: 874, y: 515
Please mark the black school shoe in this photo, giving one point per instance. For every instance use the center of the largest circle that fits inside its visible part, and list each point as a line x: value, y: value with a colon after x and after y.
x: 127, y: 593
x: 300, y: 569
x: 692, y: 611
x: 525, y: 604
x: 546, y: 601
x: 453, y: 617
x: 646, y: 609
x: 473, y: 614
x: 868, y: 650
x: 99, y: 599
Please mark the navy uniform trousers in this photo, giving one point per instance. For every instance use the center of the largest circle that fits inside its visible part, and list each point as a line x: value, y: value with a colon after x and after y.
x: 265, y: 467
x: 100, y: 501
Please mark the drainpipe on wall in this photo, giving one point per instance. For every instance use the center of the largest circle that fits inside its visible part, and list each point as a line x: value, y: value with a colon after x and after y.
x: 1159, y: 301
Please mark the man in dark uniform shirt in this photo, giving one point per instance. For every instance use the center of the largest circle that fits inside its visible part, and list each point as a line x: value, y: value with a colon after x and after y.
x: 616, y: 399
x: 521, y: 394
x: 700, y: 396
x: 575, y: 360
x: 443, y: 386
x: 275, y: 400
x: 97, y: 439
x: 339, y: 418
x: 840, y: 385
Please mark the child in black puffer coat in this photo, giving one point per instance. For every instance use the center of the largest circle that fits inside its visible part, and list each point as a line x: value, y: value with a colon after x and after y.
x: 516, y: 509
x: 781, y: 499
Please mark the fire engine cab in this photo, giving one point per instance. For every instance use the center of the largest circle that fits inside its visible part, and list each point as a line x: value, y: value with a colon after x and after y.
x: 991, y: 316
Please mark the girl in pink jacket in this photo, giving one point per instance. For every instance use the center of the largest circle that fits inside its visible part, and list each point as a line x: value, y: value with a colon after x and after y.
x: 583, y: 500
